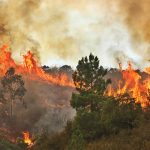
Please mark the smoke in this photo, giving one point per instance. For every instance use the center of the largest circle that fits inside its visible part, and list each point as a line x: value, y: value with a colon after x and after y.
x: 137, y: 18
x: 37, y: 24
x: 47, y: 109
x: 62, y: 31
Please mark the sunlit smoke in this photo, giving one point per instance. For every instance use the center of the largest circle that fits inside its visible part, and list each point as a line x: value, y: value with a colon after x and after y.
x: 62, y: 31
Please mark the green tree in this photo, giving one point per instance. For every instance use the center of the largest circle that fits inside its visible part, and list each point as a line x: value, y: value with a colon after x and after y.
x: 90, y: 84
x: 12, y: 88
x: 89, y: 76
x: 77, y: 141
x: 98, y: 114
x: 120, y: 113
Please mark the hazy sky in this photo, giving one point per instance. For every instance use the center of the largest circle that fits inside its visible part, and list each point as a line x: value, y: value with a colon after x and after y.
x: 62, y: 31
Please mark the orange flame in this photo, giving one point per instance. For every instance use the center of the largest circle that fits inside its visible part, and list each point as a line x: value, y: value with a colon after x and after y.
x: 133, y: 84
x: 31, y: 68
x: 26, y: 138
x: 147, y: 70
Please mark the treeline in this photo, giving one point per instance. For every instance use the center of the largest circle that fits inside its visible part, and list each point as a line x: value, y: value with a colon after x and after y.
x: 101, y: 122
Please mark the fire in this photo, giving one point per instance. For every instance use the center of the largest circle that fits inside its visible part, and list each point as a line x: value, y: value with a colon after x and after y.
x: 26, y: 138
x: 147, y: 70
x: 30, y: 63
x: 133, y: 84
x: 5, y: 59
x: 30, y: 68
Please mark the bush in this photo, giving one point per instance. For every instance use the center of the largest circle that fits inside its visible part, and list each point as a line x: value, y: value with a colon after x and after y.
x: 136, y: 139
x: 6, y: 145
x: 77, y: 141
x: 46, y: 142
x: 118, y: 114
x: 112, y: 116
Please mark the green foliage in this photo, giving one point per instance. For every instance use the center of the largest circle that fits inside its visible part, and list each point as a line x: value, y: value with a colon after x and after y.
x: 112, y: 116
x: 97, y: 114
x: 88, y: 101
x: 77, y: 141
x: 89, y: 124
x: 89, y: 75
x: 120, y: 113
x: 90, y: 83
x: 5, y: 145
x: 99, y: 117
x: 135, y: 139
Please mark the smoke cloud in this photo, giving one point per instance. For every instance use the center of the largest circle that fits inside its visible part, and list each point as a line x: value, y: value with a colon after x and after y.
x: 137, y: 18
x: 47, y: 109
x: 62, y: 31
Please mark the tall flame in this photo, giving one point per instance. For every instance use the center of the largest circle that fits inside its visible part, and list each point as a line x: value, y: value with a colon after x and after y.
x: 30, y: 67
x: 133, y: 84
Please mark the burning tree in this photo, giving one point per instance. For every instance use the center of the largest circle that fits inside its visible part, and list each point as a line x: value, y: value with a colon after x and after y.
x: 12, y: 88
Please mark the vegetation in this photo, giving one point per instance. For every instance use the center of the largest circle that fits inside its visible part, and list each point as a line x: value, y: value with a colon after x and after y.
x: 135, y: 139
x: 6, y: 145
x: 12, y: 88
x: 101, y: 122
x: 99, y: 115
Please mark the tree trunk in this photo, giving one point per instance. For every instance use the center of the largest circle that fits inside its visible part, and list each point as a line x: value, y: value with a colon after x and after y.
x: 11, y: 108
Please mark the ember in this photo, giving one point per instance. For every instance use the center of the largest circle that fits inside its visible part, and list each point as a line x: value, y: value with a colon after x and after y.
x: 26, y: 138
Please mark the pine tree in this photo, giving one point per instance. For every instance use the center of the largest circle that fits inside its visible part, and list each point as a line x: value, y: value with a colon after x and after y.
x: 90, y: 83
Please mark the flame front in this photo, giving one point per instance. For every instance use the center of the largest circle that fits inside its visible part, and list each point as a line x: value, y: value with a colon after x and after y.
x: 26, y: 138
x: 30, y: 68
x: 133, y: 84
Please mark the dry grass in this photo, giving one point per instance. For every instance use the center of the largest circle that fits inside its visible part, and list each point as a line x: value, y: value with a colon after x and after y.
x: 137, y: 139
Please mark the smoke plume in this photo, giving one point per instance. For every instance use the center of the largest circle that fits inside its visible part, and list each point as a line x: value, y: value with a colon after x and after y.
x: 63, y: 31
x: 137, y: 18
